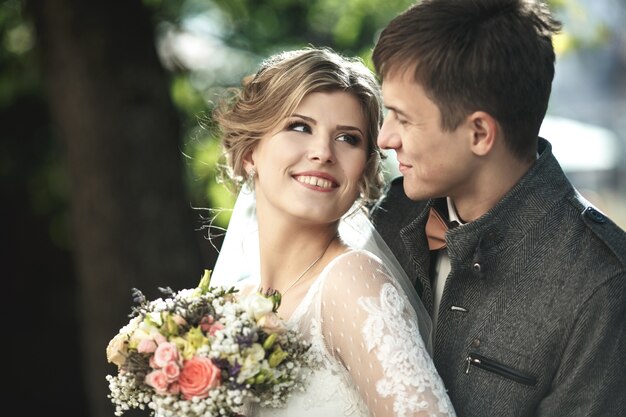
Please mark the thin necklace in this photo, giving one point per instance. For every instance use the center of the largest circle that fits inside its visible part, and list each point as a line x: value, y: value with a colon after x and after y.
x: 307, y: 269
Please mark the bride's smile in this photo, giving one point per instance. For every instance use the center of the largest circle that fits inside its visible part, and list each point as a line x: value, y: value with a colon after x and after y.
x: 318, y: 181
x: 315, y: 158
x: 301, y: 137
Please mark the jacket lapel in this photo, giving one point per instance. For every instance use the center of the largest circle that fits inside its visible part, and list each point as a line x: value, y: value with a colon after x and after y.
x: 413, y: 237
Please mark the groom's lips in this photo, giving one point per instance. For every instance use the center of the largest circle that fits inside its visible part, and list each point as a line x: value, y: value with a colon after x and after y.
x: 403, y: 167
x: 317, y: 180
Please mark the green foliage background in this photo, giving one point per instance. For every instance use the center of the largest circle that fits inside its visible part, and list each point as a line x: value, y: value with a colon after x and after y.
x: 34, y: 179
x: 250, y: 29
x: 255, y: 30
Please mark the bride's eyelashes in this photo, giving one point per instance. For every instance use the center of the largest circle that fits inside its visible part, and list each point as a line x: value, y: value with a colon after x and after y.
x: 299, y: 126
x: 303, y: 127
x: 353, y: 140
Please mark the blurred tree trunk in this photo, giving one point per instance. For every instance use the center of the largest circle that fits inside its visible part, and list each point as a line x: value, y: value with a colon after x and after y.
x: 132, y: 224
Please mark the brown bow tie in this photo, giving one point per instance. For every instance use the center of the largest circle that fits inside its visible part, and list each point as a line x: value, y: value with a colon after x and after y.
x: 436, y: 228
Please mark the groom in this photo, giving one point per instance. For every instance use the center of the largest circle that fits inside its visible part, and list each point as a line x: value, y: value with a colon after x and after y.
x: 527, y: 288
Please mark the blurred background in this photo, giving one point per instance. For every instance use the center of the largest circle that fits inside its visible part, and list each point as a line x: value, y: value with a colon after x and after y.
x: 107, y: 159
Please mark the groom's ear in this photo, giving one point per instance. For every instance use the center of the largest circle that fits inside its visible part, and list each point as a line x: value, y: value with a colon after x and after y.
x: 484, y: 130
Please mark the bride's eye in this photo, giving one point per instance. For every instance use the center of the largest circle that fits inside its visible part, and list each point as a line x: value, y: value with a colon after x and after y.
x: 299, y: 127
x: 353, y: 140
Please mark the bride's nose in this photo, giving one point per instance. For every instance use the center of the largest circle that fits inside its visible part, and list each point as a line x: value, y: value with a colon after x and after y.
x: 321, y: 150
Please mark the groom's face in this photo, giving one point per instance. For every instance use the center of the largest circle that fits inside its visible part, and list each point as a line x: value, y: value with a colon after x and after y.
x: 434, y: 162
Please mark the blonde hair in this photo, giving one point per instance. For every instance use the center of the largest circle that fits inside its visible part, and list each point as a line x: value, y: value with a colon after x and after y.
x: 276, y: 90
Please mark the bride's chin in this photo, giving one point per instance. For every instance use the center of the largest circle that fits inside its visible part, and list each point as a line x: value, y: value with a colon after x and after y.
x: 320, y: 219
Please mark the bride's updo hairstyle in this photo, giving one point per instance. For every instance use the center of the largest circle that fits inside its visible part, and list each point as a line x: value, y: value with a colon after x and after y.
x: 276, y: 90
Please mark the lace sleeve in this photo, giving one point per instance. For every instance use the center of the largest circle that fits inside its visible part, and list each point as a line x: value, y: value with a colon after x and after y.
x: 370, y: 327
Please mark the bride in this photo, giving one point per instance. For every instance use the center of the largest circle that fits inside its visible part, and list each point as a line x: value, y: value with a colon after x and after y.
x: 300, y: 138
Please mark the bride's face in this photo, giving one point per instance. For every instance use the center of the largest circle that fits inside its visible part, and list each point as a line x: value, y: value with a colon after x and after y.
x: 310, y: 166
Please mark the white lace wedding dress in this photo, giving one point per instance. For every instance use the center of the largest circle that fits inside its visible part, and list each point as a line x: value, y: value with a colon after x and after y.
x: 370, y: 357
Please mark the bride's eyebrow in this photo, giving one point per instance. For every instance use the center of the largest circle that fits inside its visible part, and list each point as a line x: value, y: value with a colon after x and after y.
x: 350, y: 128
x: 307, y: 118
x: 339, y: 127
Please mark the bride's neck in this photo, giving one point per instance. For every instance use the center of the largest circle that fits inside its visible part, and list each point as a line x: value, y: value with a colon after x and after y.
x: 286, y: 251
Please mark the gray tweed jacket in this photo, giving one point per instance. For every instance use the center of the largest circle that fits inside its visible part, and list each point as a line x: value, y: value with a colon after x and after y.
x: 533, y: 315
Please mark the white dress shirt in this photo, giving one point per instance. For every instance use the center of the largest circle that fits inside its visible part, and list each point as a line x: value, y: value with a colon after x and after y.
x: 442, y: 267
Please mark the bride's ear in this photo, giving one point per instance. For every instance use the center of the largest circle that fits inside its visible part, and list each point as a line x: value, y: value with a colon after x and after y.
x: 248, y: 162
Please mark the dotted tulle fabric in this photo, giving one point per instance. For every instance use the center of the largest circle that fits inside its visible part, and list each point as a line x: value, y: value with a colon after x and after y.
x: 370, y: 358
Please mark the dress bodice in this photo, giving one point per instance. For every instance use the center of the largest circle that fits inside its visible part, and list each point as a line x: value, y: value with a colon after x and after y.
x: 369, y: 358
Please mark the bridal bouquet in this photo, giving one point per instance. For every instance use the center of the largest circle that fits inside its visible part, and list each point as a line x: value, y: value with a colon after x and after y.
x: 204, y: 352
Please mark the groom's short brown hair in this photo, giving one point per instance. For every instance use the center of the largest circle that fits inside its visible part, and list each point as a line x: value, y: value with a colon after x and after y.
x: 490, y: 55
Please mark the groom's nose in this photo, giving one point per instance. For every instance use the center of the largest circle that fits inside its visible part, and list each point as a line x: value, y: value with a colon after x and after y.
x: 388, y: 137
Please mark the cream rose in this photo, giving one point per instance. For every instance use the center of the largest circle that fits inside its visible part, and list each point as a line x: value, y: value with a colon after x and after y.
x: 117, y: 349
x: 271, y: 323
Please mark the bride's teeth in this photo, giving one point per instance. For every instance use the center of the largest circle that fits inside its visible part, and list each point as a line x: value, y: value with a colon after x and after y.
x: 316, y: 181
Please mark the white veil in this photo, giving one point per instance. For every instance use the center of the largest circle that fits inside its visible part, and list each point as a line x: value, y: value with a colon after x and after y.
x: 239, y: 254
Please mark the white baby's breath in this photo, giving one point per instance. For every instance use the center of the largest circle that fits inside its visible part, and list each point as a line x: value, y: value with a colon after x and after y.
x: 207, y: 323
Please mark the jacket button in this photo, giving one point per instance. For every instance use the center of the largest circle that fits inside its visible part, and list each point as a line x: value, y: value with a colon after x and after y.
x: 595, y: 215
x: 476, y: 267
x: 476, y: 343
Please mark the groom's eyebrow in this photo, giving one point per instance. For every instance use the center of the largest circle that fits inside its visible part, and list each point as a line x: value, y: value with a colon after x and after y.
x: 396, y: 111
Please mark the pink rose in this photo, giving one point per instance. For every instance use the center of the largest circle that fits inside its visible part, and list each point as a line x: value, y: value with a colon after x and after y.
x: 209, y: 325
x: 174, y: 388
x: 172, y: 371
x: 164, y: 353
x: 146, y: 345
x: 215, y: 327
x: 159, y: 338
x: 206, y: 322
x: 157, y: 380
x: 198, y: 376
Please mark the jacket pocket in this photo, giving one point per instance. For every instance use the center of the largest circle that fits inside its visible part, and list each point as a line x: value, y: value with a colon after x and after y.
x: 491, y: 365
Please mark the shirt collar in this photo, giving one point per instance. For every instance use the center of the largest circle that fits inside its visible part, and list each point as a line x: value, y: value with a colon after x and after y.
x: 452, y: 214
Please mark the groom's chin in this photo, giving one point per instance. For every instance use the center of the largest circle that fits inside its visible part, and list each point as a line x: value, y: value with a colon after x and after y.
x: 415, y: 193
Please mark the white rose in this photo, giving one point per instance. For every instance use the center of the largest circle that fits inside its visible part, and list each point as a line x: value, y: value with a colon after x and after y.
x: 156, y: 318
x: 257, y: 305
x: 131, y: 326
